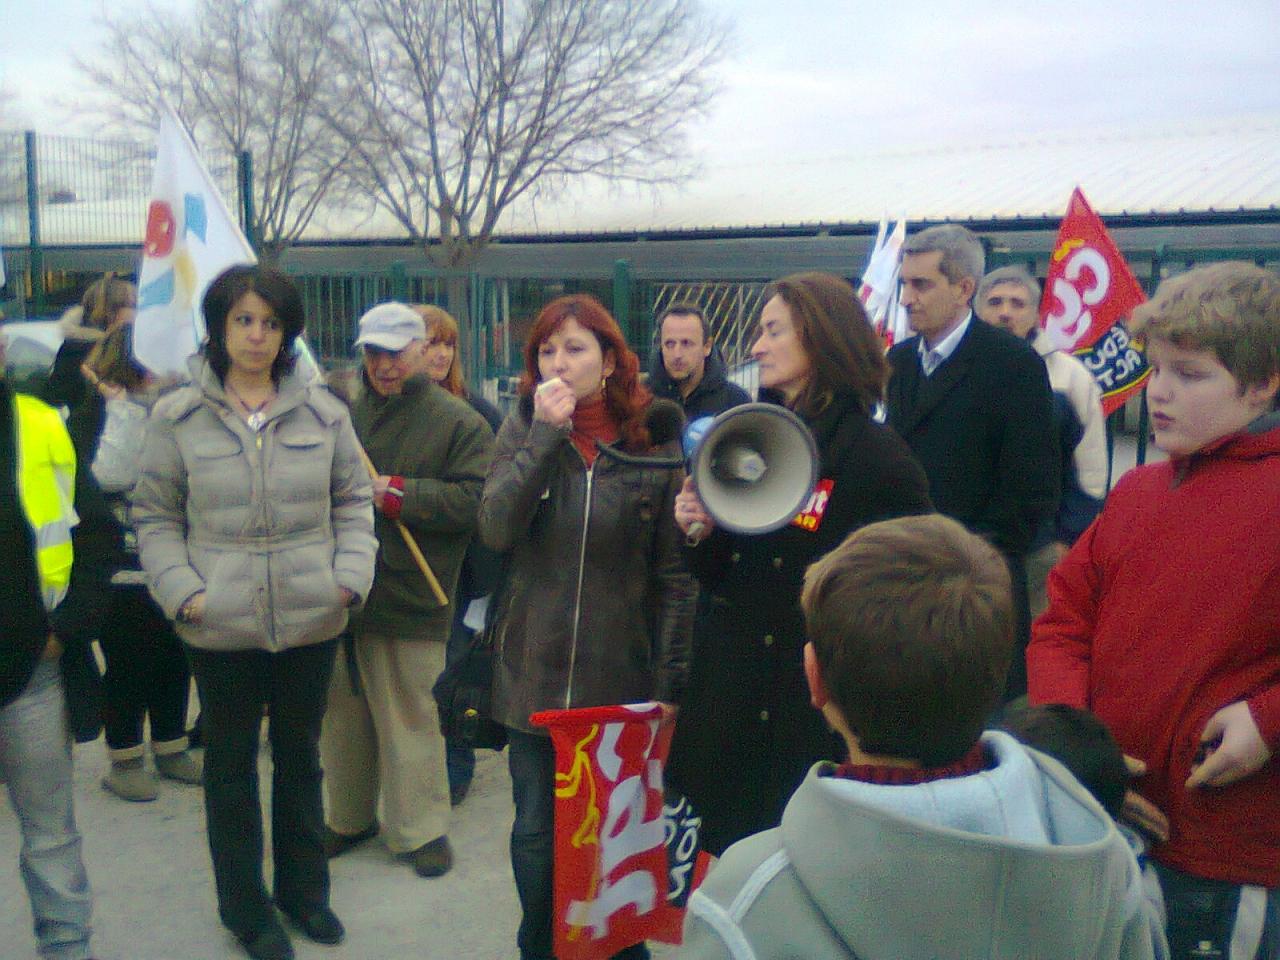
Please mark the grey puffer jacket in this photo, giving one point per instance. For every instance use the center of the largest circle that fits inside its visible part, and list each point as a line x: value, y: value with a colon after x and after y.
x: 597, y: 607
x: 269, y: 524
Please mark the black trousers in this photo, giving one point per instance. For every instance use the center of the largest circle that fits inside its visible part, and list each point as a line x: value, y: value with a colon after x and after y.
x: 235, y: 687
x: 146, y: 674
x: 1016, y: 683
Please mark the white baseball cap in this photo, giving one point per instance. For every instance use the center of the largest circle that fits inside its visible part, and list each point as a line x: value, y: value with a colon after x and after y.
x: 390, y: 326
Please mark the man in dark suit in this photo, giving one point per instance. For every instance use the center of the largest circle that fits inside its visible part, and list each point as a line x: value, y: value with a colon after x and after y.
x: 974, y: 404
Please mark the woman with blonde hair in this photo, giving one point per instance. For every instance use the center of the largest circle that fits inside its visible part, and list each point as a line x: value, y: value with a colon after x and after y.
x: 106, y: 303
x: 481, y: 568
x: 147, y: 675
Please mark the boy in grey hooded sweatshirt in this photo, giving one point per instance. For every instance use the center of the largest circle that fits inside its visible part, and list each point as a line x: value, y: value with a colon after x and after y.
x: 935, y: 839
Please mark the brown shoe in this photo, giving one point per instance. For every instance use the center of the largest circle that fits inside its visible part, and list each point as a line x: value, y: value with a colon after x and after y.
x: 433, y: 859
x: 336, y: 844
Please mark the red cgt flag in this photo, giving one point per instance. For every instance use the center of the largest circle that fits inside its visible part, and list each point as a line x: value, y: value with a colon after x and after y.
x: 1088, y: 294
x: 611, y: 858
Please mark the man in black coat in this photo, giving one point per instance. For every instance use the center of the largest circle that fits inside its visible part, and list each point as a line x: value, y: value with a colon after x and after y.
x: 689, y: 368
x: 974, y: 405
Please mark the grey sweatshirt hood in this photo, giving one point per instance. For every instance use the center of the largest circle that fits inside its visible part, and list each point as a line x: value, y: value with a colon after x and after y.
x: 1015, y: 862
x: 1018, y: 861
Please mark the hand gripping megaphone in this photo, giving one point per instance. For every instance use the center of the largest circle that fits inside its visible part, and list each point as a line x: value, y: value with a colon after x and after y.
x: 754, y: 465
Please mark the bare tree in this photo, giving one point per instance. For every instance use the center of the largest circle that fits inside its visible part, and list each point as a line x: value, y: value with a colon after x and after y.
x: 237, y: 76
x: 456, y: 109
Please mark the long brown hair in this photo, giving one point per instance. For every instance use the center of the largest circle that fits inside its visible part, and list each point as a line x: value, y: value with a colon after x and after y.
x: 626, y: 398
x: 845, y: 354
x: 105, y: 298
x: 112, y: 360
x: 442, y: 326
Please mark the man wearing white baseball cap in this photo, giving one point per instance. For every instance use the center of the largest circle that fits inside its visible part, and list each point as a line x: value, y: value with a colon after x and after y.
x: 381, y: 732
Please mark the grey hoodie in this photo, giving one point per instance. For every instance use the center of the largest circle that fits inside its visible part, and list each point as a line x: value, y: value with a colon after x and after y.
x: 1013, y: 863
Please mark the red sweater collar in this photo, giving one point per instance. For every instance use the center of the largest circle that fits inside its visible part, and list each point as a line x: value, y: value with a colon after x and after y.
x: 975, y: 761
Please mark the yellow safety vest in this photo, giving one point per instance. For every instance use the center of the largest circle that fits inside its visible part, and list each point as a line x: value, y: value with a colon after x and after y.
x: 46, y: 487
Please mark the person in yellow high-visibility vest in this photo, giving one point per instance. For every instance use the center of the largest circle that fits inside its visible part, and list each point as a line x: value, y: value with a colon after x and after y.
x: 39, y: 632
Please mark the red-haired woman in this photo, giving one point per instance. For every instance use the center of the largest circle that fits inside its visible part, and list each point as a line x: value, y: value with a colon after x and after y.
x: 597, y: 607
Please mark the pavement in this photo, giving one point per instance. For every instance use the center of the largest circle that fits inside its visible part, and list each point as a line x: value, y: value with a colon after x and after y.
x: 153, y: 894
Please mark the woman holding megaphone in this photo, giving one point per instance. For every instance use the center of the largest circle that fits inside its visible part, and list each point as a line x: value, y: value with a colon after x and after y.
x: 746, y: 735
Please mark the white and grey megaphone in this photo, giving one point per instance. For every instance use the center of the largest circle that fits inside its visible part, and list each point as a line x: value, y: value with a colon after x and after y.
x: 754, y: 465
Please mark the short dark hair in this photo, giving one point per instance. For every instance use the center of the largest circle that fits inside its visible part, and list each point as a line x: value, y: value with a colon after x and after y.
x: 686, y: 308
x: 844, y: 352
x: 1079, y: 741
x: 281, y: 295
x: 911, y: 621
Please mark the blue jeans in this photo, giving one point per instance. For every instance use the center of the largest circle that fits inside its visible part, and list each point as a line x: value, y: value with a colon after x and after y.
x: 35, y: 759
x: 1204, y: 912
x: 532, y: 760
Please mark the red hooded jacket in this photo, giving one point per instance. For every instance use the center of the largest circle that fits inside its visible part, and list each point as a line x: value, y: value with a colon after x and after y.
x: 1166, y: 610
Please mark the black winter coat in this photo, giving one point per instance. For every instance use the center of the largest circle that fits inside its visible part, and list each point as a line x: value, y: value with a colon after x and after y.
x: 713, y: 395
x: 747, y: 735
x: 982, y: 428
x: 597, y: 607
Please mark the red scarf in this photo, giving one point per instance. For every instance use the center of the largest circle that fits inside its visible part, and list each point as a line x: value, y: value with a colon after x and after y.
x: 592, y: 421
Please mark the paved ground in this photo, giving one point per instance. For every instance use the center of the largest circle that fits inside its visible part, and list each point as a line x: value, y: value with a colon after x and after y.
x: 153, y: 886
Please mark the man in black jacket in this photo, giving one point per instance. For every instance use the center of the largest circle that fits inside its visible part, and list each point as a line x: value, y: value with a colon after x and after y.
x: 46, y: 613
x: 974, y: 405
x: 689, y: 368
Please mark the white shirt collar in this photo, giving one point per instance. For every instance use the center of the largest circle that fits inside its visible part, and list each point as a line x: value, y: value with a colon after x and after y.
x: 931, y: 359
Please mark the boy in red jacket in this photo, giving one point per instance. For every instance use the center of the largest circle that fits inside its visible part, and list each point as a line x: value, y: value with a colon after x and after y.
x: 1164, y: 619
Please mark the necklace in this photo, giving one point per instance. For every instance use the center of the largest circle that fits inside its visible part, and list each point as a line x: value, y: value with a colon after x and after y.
x: 255, y: 417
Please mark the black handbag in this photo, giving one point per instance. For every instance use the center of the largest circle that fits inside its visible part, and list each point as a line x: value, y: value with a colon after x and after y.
x: 464, y: 697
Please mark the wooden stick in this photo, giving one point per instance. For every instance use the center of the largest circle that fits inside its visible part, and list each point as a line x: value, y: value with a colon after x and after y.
x: 409, y: 542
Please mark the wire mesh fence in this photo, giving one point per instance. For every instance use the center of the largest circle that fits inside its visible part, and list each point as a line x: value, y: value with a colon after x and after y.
x: 731, y: 309
x: 87, y: 190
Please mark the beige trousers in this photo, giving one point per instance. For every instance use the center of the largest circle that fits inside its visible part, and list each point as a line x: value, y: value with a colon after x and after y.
x: 386, y: 740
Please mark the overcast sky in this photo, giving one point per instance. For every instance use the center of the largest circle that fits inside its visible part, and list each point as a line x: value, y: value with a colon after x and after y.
x: 819, y: 78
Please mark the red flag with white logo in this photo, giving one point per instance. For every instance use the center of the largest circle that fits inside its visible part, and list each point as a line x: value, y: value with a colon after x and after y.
x: 1088, y: 294
x: 612, y: 886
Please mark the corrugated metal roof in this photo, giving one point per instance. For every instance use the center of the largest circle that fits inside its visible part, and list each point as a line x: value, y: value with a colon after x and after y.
x: 1230, y: 165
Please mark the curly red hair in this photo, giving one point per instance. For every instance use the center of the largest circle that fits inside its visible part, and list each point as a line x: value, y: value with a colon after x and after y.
x: 626, y: 398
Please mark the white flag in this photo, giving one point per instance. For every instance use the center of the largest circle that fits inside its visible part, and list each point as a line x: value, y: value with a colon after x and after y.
x: 190, y: 239
x: 879, y: 289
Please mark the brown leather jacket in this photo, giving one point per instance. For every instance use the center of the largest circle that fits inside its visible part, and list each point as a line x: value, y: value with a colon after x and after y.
x: 597, y: 607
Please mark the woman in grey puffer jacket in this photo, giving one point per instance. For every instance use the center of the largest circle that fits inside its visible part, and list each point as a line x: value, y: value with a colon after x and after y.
x: 255, y: 528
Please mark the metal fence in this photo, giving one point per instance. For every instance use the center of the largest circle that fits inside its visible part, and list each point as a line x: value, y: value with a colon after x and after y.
x: 60, y: 191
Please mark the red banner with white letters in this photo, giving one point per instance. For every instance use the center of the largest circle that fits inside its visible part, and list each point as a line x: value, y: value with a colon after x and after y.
x: 1089, y: 292
x: 611, y: 859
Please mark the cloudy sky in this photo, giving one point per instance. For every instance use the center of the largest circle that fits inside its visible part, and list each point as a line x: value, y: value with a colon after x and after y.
x: 816, y: 79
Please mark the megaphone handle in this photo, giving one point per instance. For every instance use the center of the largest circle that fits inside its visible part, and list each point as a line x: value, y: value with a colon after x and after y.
x: 694, y: 535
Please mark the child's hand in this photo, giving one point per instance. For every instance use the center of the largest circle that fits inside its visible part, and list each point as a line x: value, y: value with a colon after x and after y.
x: 1139, y: 811
x: 1236, y: 748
